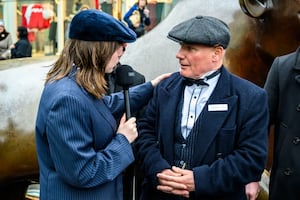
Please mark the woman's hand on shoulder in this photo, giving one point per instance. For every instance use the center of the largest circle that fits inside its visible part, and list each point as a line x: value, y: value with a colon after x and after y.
x: 160, y: 78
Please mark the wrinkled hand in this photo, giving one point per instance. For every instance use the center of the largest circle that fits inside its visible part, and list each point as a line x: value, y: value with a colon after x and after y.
x: 128, y: 128
x: 176, y: 181
x: 160, y: 78
x: 252, y: 190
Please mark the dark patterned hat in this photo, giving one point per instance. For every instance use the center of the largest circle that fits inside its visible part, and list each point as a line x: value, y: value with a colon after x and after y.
x: 204, y: 30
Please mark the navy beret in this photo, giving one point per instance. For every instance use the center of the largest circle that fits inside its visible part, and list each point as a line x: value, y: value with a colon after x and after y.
x: 95, y: 25
x: 204, y: 30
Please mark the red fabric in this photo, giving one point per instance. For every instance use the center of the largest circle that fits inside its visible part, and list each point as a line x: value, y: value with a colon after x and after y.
x: 24, y: 22
x: 31, y: 36
x: 97, y: 4
x: 36, y: 20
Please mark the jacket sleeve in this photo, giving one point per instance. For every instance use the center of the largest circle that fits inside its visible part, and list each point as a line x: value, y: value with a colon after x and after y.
x: 128, y: 14
x: 20, y: 50
x: 147, y: 21
x: 147, y: 145
x: 138, y: 95
x: 272, y: 89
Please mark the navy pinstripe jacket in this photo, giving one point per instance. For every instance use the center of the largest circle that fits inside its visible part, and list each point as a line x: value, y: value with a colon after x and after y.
x: 80, y: 155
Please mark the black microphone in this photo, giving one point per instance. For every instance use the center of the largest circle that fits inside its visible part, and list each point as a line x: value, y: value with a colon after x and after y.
x: 125, y: 78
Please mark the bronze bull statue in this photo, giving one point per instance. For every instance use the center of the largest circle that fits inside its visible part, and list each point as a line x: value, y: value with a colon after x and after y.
x: 21, y: 83
x: 261, y: 30
x: 271, y: 28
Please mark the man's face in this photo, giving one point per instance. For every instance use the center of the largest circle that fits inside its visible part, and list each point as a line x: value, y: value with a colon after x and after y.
x: 195, y: 60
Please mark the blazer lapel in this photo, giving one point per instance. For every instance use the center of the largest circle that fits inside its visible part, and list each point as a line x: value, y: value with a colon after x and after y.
x: 105, y: 112
x: 170, y: 99
x: 218, y: 109
x: 98, y: 104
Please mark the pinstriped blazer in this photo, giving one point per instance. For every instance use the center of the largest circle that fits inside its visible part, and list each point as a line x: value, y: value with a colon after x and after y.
x: 79, y: 153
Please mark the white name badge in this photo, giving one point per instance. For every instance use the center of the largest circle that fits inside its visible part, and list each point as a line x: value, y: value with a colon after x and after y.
x: 218, y: 107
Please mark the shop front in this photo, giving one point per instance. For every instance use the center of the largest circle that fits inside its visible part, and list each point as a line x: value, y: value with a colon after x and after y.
x: 47, y: 21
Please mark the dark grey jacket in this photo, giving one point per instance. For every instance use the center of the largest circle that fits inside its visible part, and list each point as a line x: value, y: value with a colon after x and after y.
x: 283, y: 89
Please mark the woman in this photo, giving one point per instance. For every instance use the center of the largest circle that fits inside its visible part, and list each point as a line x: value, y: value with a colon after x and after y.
x: 137, y: 17
x: 81, y: 149
x: 5, y: 42
x: 22, y: 48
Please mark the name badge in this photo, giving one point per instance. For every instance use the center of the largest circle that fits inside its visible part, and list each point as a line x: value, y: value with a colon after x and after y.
x: 218, y: 107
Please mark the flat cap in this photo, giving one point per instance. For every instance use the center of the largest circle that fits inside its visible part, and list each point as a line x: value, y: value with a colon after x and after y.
x: 204, y: 30
x: 95, y: 25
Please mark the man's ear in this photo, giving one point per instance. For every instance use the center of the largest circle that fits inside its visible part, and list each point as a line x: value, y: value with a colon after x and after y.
x: 218, y: 53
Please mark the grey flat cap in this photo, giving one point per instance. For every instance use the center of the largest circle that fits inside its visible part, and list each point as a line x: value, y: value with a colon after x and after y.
x: 204, y: 30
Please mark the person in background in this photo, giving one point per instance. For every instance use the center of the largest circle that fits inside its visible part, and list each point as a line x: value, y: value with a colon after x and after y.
x: 137, y: 17
x: 22, y: 48
x: 5, y: 42
x: 76, y: 6
x: 204, y: 133
x: 283, y: 90
x: 81, y: 149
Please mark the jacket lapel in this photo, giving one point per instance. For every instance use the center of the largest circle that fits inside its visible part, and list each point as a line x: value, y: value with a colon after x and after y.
x: 170, y: 98
x: 218, y: 109
x: 98, y: 104
x: 297, y: 66
x: 105, y: 112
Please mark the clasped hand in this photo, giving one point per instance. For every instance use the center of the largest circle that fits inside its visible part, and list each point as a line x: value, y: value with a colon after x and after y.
x: 176, y: 181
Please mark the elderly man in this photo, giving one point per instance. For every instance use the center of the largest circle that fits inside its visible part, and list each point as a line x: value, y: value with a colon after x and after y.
x: 204, y: 133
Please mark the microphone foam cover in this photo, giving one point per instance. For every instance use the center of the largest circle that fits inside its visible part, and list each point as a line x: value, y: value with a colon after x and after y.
x: 125, y: 75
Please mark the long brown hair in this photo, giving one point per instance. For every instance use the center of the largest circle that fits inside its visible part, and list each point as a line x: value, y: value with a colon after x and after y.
x: 90, y: 58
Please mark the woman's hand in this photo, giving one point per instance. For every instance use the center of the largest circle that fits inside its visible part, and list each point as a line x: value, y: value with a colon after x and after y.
x: 147, y: 12
x: 128, y: 128
x: 160, y: 78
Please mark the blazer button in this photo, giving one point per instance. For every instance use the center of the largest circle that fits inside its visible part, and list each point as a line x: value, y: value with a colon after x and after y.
x: 287, y: 172
x: 298, y: 108
x: 296, y: 140
x: 219, y: 155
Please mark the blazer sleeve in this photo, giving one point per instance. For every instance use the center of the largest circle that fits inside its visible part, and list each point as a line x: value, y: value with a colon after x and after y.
x: 147, y: 144
x: 21, y: 49
x: 272, y: 89
x: 128, y: 14
x: 138, y: 95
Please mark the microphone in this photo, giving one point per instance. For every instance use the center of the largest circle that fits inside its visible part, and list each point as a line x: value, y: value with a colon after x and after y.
x: 125, y: 78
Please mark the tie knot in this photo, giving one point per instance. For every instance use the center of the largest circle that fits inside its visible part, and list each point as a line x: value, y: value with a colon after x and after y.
x: 190, y: 82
